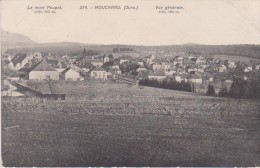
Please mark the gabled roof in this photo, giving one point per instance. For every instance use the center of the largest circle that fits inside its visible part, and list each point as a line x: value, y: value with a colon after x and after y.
x: 105, y: 56
x: 18, y: 58
x: 98, y: 68
x: 86, y: 65
x: 66, y: 70
x: 29, y: 65
x: 52, y: 61
x: 56, y: 63
x: 42, y: 66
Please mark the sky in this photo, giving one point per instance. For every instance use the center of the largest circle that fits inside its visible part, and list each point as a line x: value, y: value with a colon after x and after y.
x: 212, y: 22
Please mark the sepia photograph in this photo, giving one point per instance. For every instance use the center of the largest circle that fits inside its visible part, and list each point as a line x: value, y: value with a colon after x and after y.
x: 127, y: 83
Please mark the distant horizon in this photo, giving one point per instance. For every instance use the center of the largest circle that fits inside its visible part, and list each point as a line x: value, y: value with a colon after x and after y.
x: 188, y: 43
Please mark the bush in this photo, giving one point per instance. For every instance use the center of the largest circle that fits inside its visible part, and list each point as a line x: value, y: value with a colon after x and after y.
x: 243, y: 89
x: 238, y: 88
x: 166, y: 84
x: 223, y: 92
x: 211, y: 90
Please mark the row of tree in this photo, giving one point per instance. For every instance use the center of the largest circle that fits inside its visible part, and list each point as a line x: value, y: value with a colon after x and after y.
x: 241, y: 88
x: 167, y: 84
x: 122, y: 49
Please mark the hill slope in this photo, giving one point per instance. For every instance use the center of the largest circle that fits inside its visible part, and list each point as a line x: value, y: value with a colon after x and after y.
x: 14, y: 38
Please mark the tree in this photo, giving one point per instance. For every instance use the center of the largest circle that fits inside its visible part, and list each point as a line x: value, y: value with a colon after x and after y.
x: 223, y: 92
x: 211, y: 90
x: 106, y: 65
x: 84, y: 53
x: 129, y: 67
x: 238, y: 88
x: 110, y: 56
x: 253, y: 91
x: 115, y: 50
x: 51, y: 83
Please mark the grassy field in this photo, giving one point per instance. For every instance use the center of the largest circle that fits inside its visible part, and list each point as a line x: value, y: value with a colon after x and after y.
x: 238, y: 58
x: 113, y: 124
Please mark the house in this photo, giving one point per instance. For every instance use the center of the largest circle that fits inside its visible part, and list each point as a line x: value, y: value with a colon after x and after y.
x: 187, y: 62
x: 41, y: 71
x: 23, y: 72
x: 166, y: 66
x: 122, y: 60
x: 72, y: 60
x: 248, y: 69
x: 140, y: 62
x: 202, y: 65
x: 195, y: 78
x: 36, y: 55
x: 97, y: 62
x: 7, y: 57
x: 30, y: 63
x: 57, y: 64
x: 181, y: 77
x: 191, y: 57
x: 200, y: 60
x: 70, y: 74
x: 65, y: 57
x: 207, y: 78
x: 18, y: 61
x: 86, y: 67
x: 170, y: 71
x: 191, y: 69
x: 115, y: 68
x: 178, y: 60
x: 257, y: 67
x: 98, y: 73
x: 201, y: 70
x: 221, y: 68
x: 157, y: 66
x: 141, y: 68
x: 157, y: 75
x: 149, y: 59
x: 231, y: 64
x: 105, y: 58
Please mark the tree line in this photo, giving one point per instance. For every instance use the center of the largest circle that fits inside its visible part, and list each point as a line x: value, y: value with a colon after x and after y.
x: 167, y: 84
x: 240, y: 88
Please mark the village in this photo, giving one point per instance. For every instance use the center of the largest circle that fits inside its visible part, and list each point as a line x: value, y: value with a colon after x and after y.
x: 125, y: 65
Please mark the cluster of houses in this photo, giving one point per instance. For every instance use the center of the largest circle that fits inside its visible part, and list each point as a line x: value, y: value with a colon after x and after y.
x: 33, y: 66
x: 190, y: 68
x: 185, y: 67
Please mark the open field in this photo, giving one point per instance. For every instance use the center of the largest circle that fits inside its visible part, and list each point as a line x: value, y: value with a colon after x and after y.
x: 122, y: 125
x: 238, y: 58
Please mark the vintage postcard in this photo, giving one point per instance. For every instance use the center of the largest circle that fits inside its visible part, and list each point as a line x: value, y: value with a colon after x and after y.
x: 123, y: 83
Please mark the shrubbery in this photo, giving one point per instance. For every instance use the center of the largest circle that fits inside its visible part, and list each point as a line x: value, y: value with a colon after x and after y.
x: 211, y: 90
x: 166, y: 84
x: 241, y: 88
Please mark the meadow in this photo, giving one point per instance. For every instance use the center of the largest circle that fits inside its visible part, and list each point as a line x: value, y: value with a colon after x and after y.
x: 112, y: 124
